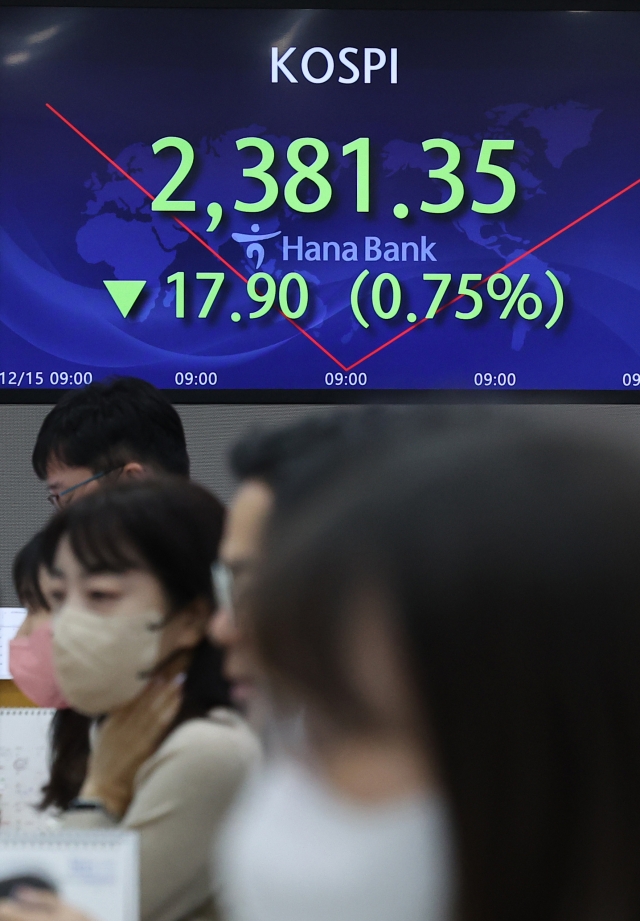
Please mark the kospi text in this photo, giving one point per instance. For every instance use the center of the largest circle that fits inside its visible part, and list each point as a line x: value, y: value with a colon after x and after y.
x: 318, y: 65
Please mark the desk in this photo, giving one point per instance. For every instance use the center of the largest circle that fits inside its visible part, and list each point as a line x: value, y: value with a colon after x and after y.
x: 11, y: 696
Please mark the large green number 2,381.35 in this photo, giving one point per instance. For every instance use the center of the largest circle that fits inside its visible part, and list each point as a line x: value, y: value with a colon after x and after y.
x: 447, y: 174
x: 319, y: 158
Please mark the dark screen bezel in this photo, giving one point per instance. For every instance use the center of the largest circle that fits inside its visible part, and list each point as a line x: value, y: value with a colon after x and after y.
x: 336, y: 397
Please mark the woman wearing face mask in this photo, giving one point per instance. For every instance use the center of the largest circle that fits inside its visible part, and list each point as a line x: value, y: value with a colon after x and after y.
x: 131, y: 596
x: 460, y: 619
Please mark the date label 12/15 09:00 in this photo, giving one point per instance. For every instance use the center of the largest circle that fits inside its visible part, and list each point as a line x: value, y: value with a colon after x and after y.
x: 38, y: 379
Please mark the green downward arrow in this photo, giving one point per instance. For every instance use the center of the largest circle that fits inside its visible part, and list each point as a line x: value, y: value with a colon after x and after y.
x: 124, y: 293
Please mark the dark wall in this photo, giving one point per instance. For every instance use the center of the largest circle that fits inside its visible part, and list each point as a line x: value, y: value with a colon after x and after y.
x: 210, y: 430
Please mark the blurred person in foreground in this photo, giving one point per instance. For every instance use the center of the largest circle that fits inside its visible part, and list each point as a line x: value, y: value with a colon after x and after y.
x: 460, y: 622
x: 131, y: 595
x: 273, y: 467
x: 276, y: 469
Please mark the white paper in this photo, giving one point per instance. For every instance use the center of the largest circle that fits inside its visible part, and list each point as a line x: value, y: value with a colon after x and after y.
x: 95, y: 871
x: 10, y: 620
x: 24, y: 756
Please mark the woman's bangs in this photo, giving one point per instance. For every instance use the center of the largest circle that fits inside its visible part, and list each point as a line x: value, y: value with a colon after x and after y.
x: 101, y: 543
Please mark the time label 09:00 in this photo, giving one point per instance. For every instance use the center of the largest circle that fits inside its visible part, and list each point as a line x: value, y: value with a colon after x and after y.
x: 338, y: 379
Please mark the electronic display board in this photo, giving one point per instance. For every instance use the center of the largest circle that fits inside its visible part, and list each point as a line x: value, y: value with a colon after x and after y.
x: 320, y: 202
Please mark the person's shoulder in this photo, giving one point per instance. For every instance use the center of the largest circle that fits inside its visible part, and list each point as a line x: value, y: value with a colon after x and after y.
x: 196, y: 771
x: 220, y: 747
x: 222, y: 737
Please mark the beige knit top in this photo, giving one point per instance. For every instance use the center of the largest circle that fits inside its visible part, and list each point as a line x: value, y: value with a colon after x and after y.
x: 181, y: 795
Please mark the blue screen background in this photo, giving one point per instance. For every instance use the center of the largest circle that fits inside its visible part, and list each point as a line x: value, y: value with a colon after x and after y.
x: 564, y: 86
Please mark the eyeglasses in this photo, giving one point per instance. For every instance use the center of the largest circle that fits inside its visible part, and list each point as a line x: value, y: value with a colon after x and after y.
x: 223, y: 585
x: 55, y: 497
x: 230, y: 582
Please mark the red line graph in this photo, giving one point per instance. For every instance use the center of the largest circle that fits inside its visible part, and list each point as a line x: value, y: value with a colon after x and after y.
x: 347, y: 368
x: 142, y: 189
x: 184, y: 226
x: 497, y: 271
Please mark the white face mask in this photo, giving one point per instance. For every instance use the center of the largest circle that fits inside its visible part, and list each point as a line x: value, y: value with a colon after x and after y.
x: 102, y: 660
x: 293, y: 849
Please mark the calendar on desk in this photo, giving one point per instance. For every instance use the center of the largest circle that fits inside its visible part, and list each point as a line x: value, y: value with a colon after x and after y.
x: 24, y: 752
x: 94, y: 871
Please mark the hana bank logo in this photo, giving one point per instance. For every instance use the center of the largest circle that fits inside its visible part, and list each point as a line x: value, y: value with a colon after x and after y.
x: 255, y: 248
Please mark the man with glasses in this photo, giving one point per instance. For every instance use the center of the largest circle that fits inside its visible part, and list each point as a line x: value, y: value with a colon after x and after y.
x: 274, y: 469
x: 239, y: 555
x: 118, y: 429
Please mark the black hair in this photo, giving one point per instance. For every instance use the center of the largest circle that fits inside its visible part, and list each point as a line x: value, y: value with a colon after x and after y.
x: 69, y: 737
x: 26, y: 564
x: 110, y: 423
x: 509, y: 561
x: 171, y: 527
